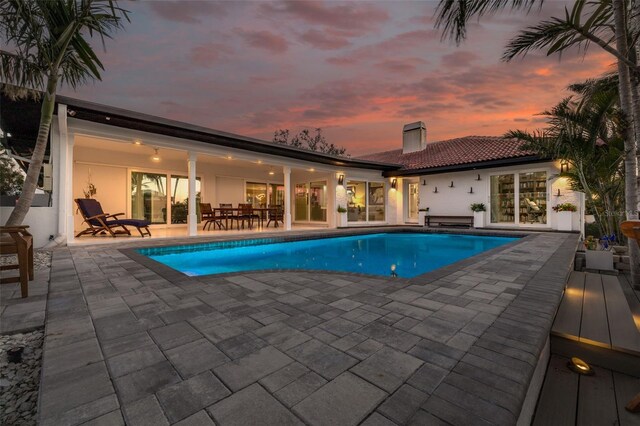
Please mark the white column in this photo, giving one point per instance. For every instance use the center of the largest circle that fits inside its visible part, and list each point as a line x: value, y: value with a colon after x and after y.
x: 68, y: 184
x: 287, y: 197
x: 193, y: 217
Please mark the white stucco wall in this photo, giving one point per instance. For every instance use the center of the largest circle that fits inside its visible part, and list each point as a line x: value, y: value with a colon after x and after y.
x: 456, y: 201
x: 42, y: 222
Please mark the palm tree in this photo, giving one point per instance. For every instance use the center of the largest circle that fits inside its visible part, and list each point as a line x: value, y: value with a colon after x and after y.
x: 587, y: 132
x: 605, y: 23
x: 47, y: 45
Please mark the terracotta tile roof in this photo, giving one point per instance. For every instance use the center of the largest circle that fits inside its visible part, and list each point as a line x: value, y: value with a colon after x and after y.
x: 466, y: 150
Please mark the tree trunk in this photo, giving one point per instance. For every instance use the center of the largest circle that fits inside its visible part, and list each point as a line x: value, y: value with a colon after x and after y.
x: 33, y: 172
x: 630, y: 159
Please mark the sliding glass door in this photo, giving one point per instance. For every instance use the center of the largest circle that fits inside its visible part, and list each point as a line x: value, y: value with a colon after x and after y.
x: 149, y: 199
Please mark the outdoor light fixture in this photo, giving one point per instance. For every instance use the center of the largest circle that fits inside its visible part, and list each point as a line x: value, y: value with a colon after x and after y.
x: 137, y: 142
x: 71, y: 112
x: 271, y: 172
x: 564, y: 166
x: 558, y: 193
x: 478, y: 178
x: 393, y: 270
x: 471, y: 190
x: 424, y: 182
x: 9, y: 135
x: 451, y: 186
x: 579, y: 366
x: 312, y: 169
x: 435, y: 191
x: 394, y: 184
x: 341, y: 180
x: 155, y: 156
x: 107, y: 118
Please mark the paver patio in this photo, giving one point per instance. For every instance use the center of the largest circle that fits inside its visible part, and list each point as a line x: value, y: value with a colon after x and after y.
x: 129, y: 340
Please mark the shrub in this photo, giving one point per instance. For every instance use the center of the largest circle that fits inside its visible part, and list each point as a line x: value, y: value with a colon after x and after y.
x: 478, y: 207
x: 341, y: 209
x: 565, y: 207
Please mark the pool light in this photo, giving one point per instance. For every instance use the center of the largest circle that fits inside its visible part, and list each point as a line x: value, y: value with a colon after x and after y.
x: 393, y: 270
x: 579, y: 366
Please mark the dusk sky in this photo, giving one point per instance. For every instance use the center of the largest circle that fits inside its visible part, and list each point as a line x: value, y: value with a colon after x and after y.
x: 359, y: 70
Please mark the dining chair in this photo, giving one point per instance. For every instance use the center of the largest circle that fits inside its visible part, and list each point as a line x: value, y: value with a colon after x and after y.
x: 229, y: 214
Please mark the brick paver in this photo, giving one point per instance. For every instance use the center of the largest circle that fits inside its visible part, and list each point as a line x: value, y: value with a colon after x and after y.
x: 130, y: 340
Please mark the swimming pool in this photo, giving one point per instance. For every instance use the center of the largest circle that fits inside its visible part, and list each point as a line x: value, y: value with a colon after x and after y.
x: 409, y: 254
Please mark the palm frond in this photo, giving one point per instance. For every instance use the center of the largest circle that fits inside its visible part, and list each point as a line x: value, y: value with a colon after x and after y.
x: 453, y: 15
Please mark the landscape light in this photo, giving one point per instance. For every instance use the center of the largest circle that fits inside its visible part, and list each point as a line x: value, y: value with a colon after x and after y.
x: 579, y: 366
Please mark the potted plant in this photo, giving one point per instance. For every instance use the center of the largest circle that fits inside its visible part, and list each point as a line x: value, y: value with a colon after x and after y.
x: 565, y: 215
x: 601, y: 260
x: 342, y: 217
x: 422, y: 216
x: 478, y: 210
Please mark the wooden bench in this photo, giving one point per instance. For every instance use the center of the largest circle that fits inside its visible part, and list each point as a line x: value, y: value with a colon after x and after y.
x: 456, y: 221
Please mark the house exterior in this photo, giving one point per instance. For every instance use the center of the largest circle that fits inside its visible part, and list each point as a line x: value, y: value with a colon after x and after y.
x: 157, y: 169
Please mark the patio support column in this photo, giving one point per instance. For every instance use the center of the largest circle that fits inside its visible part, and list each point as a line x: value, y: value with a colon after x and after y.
x: 286, y: 170
x: 193, y: 216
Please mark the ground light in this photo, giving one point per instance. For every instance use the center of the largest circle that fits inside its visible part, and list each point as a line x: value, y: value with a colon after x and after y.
x: 579, y: 366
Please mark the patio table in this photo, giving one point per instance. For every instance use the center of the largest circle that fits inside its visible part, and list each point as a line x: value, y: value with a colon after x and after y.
x: 226, y: 213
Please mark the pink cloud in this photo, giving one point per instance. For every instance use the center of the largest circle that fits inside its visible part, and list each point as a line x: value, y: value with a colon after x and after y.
x: 322, y: 40
x: 351, y: 16
x: 459, y: 59
x: 265, y: 40
x: 187, y: 11
x: 209, y: 53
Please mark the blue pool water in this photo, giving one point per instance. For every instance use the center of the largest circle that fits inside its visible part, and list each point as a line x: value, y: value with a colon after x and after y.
x: 412, y: 254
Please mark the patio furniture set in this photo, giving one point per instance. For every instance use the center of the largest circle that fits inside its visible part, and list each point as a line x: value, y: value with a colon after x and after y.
x: 241, y: 214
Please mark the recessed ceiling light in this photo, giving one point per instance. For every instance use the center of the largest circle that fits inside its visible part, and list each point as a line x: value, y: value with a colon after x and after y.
x: 271, y: 172
x: 259, y: 161
x: 312, y: 170
x: 108, y: 118
x: 228, y: 157
x: 9, y: 135
x: 137, y: 142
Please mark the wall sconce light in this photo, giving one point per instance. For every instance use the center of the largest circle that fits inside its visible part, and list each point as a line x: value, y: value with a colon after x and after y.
x: 155, y: 157
x: 564, y: 166
x: 394, y: 184
x: 478, y: 178
x: 558, y: 194
x: 424, y: 182
x: 341, y: 180
x: 451, y: 186
x: 471, y: 190
x: 435, y: 191
x: 579, y: 366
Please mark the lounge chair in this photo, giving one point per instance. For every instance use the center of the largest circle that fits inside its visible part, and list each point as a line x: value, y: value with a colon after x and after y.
x: 99, y: 221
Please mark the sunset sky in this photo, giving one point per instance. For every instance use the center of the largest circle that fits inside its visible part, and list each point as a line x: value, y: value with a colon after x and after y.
x: 359, y: 70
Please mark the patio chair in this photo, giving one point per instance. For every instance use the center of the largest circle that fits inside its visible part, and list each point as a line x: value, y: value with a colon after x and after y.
x: 101, y: 222
x: 245, y: 214
x: 17, y: 240
x: 209, y: 217
x: 276, y: 214
x: 229, y: 214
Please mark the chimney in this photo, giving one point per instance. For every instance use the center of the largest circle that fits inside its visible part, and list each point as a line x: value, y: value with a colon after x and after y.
x: 414, y: 137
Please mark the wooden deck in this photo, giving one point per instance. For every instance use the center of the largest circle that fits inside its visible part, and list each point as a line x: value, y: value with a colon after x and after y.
x: 568, y: 398
x: 595, y: 322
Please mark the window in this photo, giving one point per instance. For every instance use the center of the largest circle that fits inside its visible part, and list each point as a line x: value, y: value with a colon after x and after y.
x: 318, y: 202
x: 180, y: 198
x: 533, y: 197
x: 257, y: 194
x: 149, y: 199
x: 530, y: 191
x: 502, y: 199
x: 301, y: 199
x: 311, y: 201
x: 366, y: 201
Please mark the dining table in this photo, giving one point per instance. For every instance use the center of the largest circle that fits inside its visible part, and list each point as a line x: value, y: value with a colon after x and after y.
x: 227, y: 213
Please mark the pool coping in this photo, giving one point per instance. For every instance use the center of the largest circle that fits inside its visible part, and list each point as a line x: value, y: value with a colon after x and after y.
x: 168, y: 272
x: 523, y: 325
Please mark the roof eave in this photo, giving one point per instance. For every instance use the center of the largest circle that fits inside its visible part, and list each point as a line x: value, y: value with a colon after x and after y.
x: 503, y: 162
x: 118, y: 117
